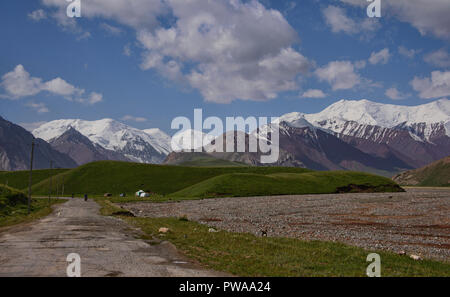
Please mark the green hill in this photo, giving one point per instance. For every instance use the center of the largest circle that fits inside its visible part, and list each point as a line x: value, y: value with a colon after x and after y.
x: 436, y: 174
x: 19, y: 179
x: 121, y: 177
x: 11, y: 200
x: 200, y: 160
x: 245, y: 184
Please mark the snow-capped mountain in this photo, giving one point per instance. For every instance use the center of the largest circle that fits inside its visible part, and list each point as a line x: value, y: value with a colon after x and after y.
x: 134, y: 144
x: 355, y: 135
x: 15, y: 145
x: 412, y: 135
x: 190, y: 139
x: 351, y: 118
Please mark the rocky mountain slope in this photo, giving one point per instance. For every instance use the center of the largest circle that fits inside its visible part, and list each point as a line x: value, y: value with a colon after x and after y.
x: 81, y: 149
x: 15, y: 148
x: 130, y: 143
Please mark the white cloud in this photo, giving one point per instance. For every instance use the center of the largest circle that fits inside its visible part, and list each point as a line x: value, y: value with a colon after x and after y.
x: 60, y: 87
x: 340, y: 75
x: 38, y: 107
x: 435, y: 87
x: 31, y: 126
x: 314, y: 93
x: 394, y: 94
x: 129, y: 118
x: 37, y: 15
x: 19, y: 83
x: 227, y: 50
x: 95, y: 98
x: 409, y: 53
x: 360, y: 64
x: 382, y: 57
x: 127, y: 50
x: 137, y: 13
x: 427, y: 16
x: 111, y: 29
x: 338, y: 20
x: 439, y: 58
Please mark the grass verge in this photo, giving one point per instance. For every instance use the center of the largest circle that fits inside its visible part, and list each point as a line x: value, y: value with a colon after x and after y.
x: 250, y: 256
x: 14, y: 207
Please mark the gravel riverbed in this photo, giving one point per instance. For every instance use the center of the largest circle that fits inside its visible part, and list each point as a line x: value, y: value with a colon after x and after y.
x: 417, y: 222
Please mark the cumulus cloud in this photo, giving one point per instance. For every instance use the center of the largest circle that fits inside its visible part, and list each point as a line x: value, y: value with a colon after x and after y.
x: 340, y: 75
x: 94, y: 98
x: 129, y: 118
x: 338, y: 20
x: 37, y: 15
x: 38, y: 107
x: 19, y: 84
x: 427, y: 16
x: 227, y: 50
x: 394, y: 94
x: 435, y: 87
x: 439, y: 58
x: 314, y: 93
x: 382, y: 57
x: 409, y: 53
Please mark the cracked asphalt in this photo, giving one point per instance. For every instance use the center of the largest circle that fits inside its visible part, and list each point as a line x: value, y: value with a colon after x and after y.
x: 107, y: 247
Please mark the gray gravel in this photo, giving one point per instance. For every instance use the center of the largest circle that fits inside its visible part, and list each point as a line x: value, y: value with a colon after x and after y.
x: 417, y: 222
x: 107, y: 247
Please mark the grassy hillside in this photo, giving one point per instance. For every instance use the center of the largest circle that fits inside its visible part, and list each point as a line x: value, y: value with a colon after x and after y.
x: 245, y: 184
x: 436, y: 174
x: 199, y: 160
x: 19, y: 179
x: 14, y: 207
x: 196, y: 182
x: 121, y: 177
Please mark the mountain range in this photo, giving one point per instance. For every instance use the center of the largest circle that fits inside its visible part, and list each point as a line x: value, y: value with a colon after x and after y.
x: 348, y: 135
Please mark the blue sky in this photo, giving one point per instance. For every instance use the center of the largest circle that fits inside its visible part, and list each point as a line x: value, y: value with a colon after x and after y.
x: 146, y: 63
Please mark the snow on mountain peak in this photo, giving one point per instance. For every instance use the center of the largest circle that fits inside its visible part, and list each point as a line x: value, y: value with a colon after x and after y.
x: 384, y: 115
x: 108, y: 133
x: 364, y: 112
x: 190, y: 139
x: 294, y: 119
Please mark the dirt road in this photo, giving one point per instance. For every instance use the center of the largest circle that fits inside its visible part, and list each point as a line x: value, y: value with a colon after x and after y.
x: 107, y: 247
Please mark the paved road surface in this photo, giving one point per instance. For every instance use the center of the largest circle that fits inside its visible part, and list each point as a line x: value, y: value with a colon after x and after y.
x: 107, y: 247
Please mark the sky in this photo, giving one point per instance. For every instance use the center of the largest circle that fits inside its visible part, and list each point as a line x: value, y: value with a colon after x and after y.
x: 145, y: 62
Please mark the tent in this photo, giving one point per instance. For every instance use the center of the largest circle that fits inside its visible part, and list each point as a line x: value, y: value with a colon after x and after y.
x: 139, y: 193
x: 143, y: 195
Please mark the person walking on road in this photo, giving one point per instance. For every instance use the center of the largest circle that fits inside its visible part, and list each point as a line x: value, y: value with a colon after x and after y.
x: 85, y: 197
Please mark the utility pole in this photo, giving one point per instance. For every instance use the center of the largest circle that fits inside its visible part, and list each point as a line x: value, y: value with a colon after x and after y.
x: 50, y: 189
x: 62, y: 191
x: 31, y: 177
x: 57, y: 186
